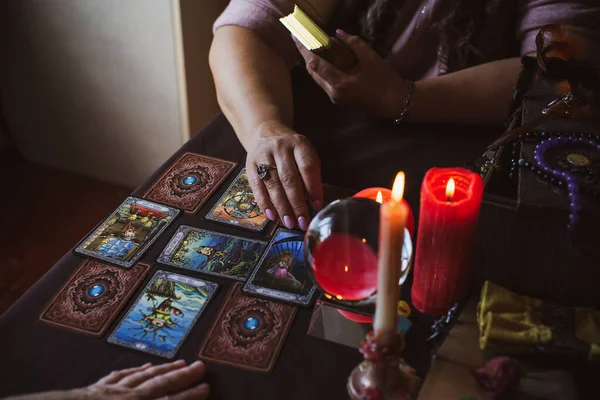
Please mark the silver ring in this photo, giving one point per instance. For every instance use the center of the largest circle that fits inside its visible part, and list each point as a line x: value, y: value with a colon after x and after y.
x: 263, y: 171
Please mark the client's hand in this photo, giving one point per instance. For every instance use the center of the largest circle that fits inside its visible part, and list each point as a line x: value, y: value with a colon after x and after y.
x: 295, y: 179
x: 372, y: 84
x: 175, y: 380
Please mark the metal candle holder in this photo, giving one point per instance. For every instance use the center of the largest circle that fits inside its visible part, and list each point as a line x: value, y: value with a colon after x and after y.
x: 383, y: 374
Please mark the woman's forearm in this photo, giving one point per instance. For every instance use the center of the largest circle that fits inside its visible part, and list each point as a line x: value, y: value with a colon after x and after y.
x: 252, y: 81
x: 479, y: 95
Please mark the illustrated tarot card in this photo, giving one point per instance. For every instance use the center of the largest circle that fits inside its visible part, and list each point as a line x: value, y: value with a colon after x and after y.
x: 238, y: 207
x: 163, y: 315
x: 212, y: 253
x: 190, y: 181
x: 92, y: 296
x: 282, y: 273
x: 124, y: 236
x: 249, y: 331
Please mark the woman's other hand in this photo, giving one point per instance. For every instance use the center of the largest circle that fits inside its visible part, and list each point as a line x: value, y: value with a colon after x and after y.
x: 174, y: 380
x: 372, y: 85
x: 295, y: 180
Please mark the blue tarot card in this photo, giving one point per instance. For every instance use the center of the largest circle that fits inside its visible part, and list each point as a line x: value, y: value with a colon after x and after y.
x: 160, y: 319
x: 123, y: 237
x: 281, y: 273
x: 212, y: 253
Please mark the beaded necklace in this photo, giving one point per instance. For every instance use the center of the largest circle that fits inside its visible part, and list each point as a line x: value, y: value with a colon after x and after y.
x: 563, y: 176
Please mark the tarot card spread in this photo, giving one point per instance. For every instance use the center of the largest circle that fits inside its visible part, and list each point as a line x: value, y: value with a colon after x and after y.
x: 238, y: 207
x: 212, y: 253
x: 92, y: 296
x: 282, y: 273
x: 160, y: 319
x: 249, y: 332
x: 124, y: 236
x: 190, y: 181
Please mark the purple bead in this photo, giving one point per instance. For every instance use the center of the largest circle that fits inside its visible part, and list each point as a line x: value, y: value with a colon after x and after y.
x: 573, y: 219
x: 575, y: 206
x: 574, y: 197
x: 547, y: 170
x: 571, y: 186
x: 570, y: 178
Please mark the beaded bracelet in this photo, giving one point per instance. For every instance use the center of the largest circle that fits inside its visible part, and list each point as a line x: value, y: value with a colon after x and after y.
x: 407, y: 103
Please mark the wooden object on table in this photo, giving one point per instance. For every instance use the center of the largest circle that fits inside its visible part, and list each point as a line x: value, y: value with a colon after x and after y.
x: 523, y: 223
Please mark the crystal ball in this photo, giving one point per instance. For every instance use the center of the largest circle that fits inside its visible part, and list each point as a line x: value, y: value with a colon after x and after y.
x: 341, y: 247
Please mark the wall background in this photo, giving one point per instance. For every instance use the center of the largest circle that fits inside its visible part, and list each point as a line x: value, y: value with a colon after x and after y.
x: 108, y: 88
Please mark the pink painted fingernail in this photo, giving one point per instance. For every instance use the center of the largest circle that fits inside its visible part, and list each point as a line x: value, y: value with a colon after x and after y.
x: 204, y: 388
x: 303, y: 223
x: 341, y: 33
x: 270, y: 214
x: 317, y: 204
x: 288, y: 222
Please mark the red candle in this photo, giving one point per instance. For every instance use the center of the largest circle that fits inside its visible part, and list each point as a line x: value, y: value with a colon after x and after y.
x: 447, y: 226
x: 386, y: 195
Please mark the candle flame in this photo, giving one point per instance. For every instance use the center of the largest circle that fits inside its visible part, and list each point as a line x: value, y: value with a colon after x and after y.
x: 339, y: 297
x: 450, y: 189
x: 327, y: 295
x: 398, y: 188
x: 379, y: 198
x: 346, y: 268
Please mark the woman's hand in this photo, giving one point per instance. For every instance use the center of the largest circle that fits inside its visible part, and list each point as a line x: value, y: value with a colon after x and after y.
x: 295, y: 180
x: 372, y: 84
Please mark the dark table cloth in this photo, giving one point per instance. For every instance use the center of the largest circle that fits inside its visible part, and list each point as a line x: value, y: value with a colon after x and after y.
x: 356, y: 152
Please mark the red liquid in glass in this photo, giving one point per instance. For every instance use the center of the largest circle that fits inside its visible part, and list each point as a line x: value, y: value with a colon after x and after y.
x: 345, y: 267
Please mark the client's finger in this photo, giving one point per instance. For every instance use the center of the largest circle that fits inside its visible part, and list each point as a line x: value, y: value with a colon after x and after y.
x: 292, y: 185
x: 173, y: 381
x: 261, y: 195
x: 116, y: 376
x: 142, y: 376
x: 199, y: 392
